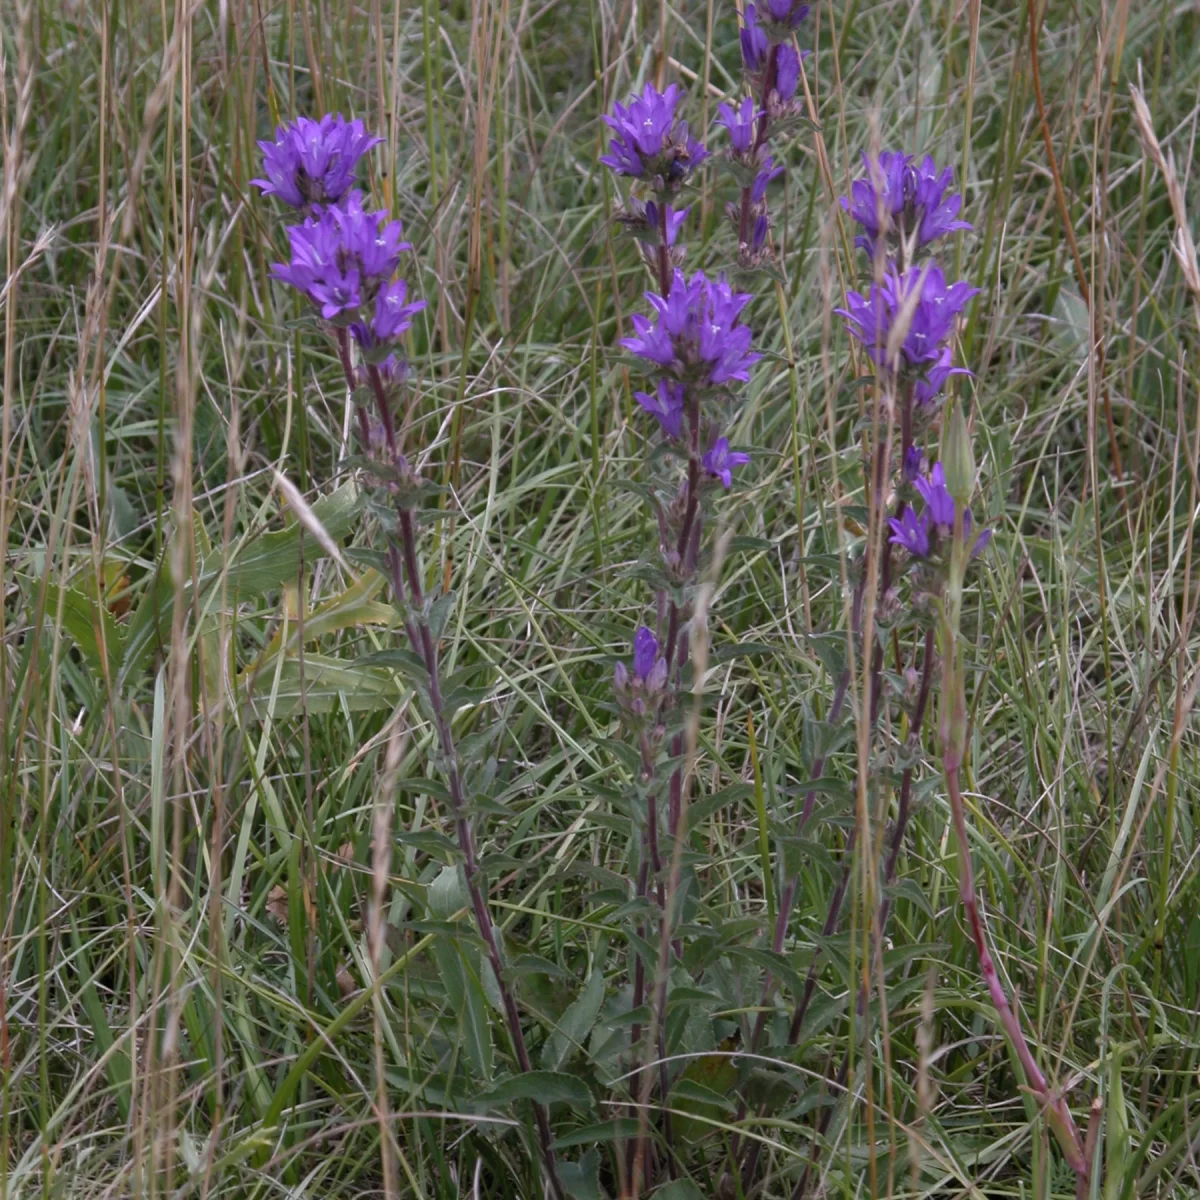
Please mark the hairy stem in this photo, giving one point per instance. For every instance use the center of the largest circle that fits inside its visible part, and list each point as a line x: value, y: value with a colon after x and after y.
x: 407, y: 586
x: 664, y: 252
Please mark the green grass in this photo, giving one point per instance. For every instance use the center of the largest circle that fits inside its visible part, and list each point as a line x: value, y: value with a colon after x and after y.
x: 187, y: 802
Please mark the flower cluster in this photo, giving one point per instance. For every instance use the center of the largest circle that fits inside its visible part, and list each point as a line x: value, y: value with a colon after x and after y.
x: 344, y: 257
x: 652, y: 146
x: 638, y: 690
x: 906, y: 322
x: 649, y: 142
x: 697, y: 339
x: 312, y: 163
x: 766, y: 35
x: 695, y: 335
x: 903, y: 206
x: 921, y: 533
x: 908, y: 317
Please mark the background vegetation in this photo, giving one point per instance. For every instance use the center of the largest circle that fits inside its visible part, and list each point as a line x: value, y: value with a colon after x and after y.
x: 189, y: 789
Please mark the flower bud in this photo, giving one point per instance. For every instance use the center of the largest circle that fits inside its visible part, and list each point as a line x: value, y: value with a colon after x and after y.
x: 912, y: 681
x: 620, y: 678
x: 957, y: 457
x: 656, y: 680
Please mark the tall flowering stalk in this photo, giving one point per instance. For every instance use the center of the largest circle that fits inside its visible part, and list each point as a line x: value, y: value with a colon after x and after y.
x: 905, y: 323
x: 697, y: 350
x: 344, y: 260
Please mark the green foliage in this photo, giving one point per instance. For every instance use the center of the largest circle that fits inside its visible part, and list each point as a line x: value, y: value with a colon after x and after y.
x: 190, y: 998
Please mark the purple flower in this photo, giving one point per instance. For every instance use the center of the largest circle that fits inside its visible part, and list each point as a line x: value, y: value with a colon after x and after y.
x: 870, y: 318
x: 649, y: 674
x: 928, y: 387
x: 740, y: 122
x: 787, y: 13
x: 674, y: 219
x: 765, y: 177
x: 665, y: 404
x: 342, y: 257
x: 759, y: 30
x: 912, y: 464
x: 981, y: 542
x: 645, y: 653
x: 939, y: 504
x: 313, y: 162
x: 787, y: 72
x: 695, y: 334
x: 649, y: 142
x: 720, y: 461
x: 938, y: 212
x: 755, y: 46
x: 907, y: 202
x: 391, y: 317
x: 919, y: 535
x: 758, y: 237
x: 911, y: 532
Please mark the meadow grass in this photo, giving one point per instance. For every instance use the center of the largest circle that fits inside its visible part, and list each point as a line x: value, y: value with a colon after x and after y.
x: 230, y: 961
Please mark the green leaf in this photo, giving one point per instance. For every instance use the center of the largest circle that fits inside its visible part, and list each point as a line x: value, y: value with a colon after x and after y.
x: 913, y: 892
x: 88, y: 622
x: 117, y: 1064
x: 831, y: 650
x: 447, y: 895
x: 354, y: 606
x: 399, y: 659
x: 746, y: 542
x: 324, y: 685
x: 535, y: 964
x: 696, y: 1093
x: 476, y: 1024
x: 546, y: 1087
x: 272, y: 559
x: 726, y: 653
x: 429, y: 841
x: 262, y: 563
x: 678, y: 1189
x: 576, y: 1023
x: 439, y: 614
x: 581, y: 1180
x: 685, y: 995
x: 701, y: 809
x: 606, y: 1131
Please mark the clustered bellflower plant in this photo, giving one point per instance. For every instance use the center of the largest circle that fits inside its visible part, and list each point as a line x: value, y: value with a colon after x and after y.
x: 344, y: 259
x: 906, y: 324
x: 698, y: 351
